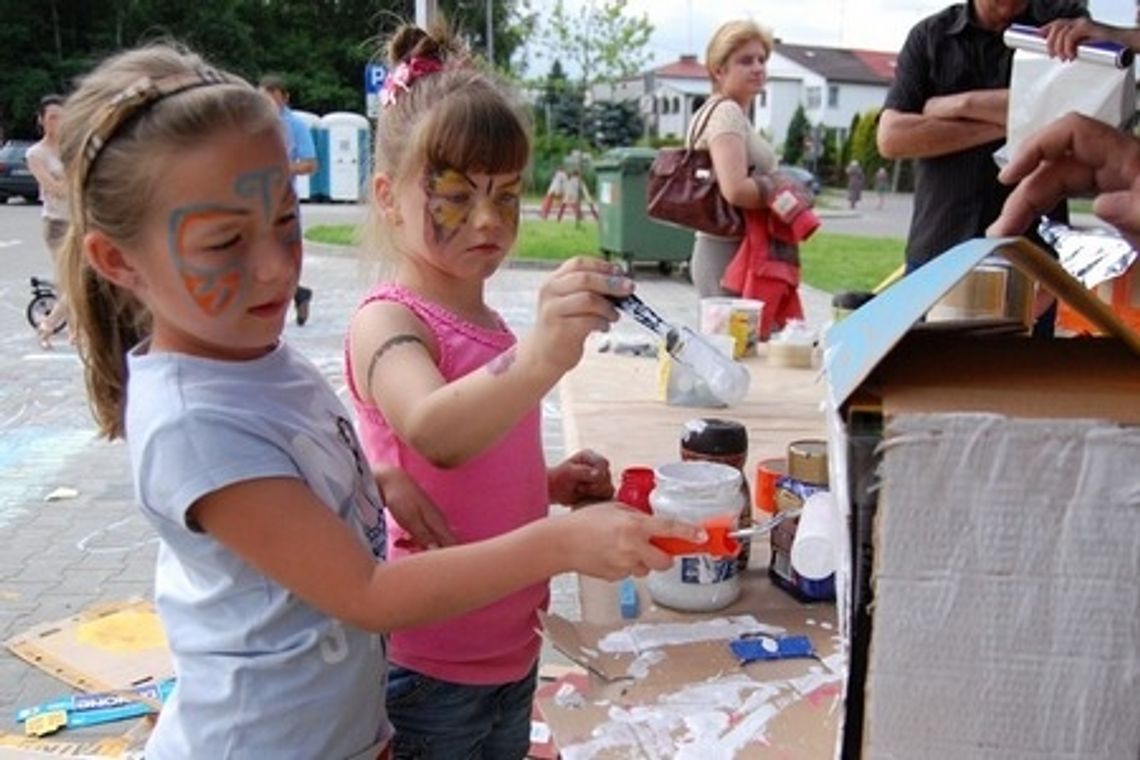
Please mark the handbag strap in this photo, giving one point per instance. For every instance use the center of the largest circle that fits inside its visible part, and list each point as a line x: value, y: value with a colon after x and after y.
x: 700, y: 129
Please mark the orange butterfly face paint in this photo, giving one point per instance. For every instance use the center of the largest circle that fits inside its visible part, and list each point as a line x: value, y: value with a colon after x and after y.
x: 207, y: 242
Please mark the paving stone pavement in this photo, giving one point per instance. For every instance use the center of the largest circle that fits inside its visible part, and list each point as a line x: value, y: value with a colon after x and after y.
x: 60, y: 557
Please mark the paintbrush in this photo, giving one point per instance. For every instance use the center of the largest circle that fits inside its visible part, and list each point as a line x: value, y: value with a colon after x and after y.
x: 726, y: 379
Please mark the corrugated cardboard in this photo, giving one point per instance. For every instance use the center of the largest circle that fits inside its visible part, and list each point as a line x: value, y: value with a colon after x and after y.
x: 1005, y: 533
x: 108, y: 646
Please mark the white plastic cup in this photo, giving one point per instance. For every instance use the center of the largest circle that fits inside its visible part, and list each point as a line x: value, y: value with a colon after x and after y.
x: 817, y: 537
x: 738, y: 317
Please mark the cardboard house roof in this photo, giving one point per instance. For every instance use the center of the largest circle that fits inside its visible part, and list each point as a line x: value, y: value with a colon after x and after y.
x: 855, y: 346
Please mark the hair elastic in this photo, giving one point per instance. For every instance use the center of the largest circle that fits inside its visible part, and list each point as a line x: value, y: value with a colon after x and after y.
x: 401, y: 79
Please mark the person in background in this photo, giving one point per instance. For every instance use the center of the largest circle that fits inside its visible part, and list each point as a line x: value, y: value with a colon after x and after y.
x: 181, y: 262
x: 1071, y: 156
x: 736, y: 60
x: 573, y: 191
x: 46, y: 167
x: 443, y: 389
x: 302, y: 161
x: 554, y: 193
x: 947, y: 108
x: 855, y: 182
x: 882, y: 185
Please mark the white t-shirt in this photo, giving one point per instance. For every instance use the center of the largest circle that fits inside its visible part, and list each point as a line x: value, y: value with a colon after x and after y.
x: 54, y: 206
x: 261, y: 674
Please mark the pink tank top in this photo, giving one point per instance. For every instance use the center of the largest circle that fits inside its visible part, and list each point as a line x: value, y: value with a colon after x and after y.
x: 496, y: 491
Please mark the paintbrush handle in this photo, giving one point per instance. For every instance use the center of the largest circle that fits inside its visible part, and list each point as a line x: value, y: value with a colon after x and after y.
x: 642, y: 313
x: 745, y: 534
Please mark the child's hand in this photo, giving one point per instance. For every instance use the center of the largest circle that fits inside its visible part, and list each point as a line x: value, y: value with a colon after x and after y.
x: 583, y: 478
x: 412, y: 508
x: 571, y: 305
x: 611, y: 541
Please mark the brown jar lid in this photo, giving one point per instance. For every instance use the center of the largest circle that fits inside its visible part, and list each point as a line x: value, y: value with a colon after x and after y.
x: 711, y: 436
x: 807, y: 461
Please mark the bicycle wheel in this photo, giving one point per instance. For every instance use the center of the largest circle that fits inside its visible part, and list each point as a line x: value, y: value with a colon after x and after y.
x: 39, y: 308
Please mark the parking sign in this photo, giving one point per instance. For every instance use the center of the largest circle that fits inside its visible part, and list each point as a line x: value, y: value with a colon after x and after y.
x: 374, y: 76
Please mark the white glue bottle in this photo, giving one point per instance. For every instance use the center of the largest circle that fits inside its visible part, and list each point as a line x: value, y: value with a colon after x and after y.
x: 697, y: 491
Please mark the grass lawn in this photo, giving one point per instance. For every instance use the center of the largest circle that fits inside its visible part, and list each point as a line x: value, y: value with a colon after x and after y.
x: 830, y: 262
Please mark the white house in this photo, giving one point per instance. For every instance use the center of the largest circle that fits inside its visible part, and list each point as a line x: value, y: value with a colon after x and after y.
x: 833, y: 84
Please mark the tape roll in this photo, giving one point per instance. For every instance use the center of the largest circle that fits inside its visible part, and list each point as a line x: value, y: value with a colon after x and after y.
x: 807, y: 461
x: 768, y: 472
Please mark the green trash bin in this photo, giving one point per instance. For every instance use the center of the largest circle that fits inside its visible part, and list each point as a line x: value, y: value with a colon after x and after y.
x: 624, y: 229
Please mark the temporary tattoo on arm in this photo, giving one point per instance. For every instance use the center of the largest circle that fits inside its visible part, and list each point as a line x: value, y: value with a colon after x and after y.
x: 501, y: 363
x: 395, y: 340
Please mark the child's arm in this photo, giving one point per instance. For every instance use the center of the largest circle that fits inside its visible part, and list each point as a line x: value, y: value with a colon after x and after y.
x: 582, y: 479
x: 413, y: 509
x: 280, y: 528
x: 448, y: 423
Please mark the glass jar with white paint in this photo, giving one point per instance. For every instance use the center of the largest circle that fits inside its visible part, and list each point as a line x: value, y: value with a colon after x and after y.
x: 697, y: 492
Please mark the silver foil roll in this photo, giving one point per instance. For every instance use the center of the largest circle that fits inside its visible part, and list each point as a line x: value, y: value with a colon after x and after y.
x: 1024, y: 37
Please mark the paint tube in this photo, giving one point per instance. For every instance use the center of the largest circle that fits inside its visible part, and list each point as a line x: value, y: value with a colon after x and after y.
x: 103, y: 707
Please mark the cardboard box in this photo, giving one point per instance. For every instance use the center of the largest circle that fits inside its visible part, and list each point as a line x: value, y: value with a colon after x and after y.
x: 989, y: 596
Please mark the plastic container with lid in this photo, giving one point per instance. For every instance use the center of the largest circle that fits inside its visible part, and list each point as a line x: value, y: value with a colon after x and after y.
x: 697, y: 491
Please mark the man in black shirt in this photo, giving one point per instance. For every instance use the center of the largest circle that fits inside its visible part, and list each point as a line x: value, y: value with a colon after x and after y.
x: 947, y: 108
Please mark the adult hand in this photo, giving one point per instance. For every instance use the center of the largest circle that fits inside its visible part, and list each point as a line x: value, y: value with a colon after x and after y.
x: 1063, y: 35
x: 1072, y: 155
x: 611, y: 541
x: 583, y: 478
x: 412, y: 508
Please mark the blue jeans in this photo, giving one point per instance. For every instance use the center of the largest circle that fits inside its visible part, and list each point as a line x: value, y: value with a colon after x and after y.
x: 439, y: 720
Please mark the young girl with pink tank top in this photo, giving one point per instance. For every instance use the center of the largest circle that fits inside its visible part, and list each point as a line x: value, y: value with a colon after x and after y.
x: 443, y: 389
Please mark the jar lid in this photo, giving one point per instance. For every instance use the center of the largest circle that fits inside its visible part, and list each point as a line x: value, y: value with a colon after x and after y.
x: 714, y: 437
x: 807, y: 461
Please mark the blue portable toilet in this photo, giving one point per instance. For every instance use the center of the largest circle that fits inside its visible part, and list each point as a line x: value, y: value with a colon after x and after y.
x: 348, y: 148
x: 304, y: 184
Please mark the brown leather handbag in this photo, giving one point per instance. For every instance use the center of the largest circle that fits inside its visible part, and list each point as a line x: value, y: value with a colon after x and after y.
x: 682, y: 189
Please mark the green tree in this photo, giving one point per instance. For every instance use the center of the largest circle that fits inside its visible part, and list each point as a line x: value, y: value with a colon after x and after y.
x: 319, y: 46
x: 799, y: 131
x: 600, y: 41
x: 863, y: 145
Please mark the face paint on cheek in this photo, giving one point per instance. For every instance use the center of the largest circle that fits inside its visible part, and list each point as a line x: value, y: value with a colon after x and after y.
x: 449, y: 201
x: 263, y: 185
x: 212, y: 287
x: 508, y: 207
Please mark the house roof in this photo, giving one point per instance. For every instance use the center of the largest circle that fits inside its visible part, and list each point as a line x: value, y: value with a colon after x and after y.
x: 841, y: 64
x: 686, y: 67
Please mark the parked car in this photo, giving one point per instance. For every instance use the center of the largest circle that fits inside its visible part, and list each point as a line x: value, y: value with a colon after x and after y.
x: 15, y: 177
x: 803, y: 175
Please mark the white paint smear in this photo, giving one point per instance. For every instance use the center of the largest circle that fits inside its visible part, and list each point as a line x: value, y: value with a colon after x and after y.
x: 642, y: 637
x: 714, y: 719
x: 639, y: 668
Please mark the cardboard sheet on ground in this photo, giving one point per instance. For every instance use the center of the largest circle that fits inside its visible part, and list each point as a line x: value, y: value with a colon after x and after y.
x: 108, y: 646
x: 692, y: 698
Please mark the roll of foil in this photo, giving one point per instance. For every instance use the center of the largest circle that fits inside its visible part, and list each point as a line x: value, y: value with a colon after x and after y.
x: 1024, y: 37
